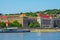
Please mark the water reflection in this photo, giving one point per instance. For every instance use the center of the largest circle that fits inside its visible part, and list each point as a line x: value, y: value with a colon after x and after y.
x: 38, y: 34
x: 30, y: 36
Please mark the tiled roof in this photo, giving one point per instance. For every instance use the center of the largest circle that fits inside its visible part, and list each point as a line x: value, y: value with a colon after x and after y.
x: 45, y: 15
x: 3, y: 16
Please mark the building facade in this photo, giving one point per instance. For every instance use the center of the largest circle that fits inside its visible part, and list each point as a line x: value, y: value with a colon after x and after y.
x: 47, y: 21
x: 22, y: 19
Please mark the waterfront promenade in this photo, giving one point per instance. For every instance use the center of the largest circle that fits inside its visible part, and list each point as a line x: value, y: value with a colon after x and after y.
x: 33, y: 30
x: 44, y: 30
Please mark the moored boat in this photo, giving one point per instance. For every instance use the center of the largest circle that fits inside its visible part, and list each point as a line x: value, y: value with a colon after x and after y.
x: 12, y: 30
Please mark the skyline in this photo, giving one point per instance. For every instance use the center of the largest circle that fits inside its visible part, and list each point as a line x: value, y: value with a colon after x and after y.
x: 17, y: 6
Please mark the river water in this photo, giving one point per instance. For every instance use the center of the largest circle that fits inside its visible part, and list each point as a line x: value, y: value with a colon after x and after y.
x: 30, y: 36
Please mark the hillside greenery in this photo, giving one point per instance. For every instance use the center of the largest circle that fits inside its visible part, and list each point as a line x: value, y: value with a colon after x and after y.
x: 34, y: 14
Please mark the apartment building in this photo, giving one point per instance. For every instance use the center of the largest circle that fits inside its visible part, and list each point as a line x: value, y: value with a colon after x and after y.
x: 22, y: 19
x: 45, y: 21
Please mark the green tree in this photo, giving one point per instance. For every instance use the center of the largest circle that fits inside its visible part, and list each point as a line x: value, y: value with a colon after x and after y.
x: 34, y: 25
x: 2, y: 24
x: 32, y: 14
x: 30, y: 25
x: 58, y: 25
x: 15, y: 24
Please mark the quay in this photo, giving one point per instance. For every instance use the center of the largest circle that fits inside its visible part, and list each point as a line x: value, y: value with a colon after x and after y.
x: 28, y: 30
x: 44, y: 30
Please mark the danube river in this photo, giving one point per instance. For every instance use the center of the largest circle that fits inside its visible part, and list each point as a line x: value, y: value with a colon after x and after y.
x: 30, y: 36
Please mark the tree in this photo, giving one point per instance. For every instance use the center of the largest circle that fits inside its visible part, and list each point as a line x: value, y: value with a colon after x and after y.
x: 58, y: 25
x: 15, y: 24
x: 36, y: 25
x: 30, y: 25
x: 0, y: 13
x: 2, y: 24
x: 31, y: 14
x: 33, y: 25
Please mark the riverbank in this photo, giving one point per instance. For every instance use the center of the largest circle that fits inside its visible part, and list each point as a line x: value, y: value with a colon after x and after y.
x: 32, y: 30
x: 44, y: 30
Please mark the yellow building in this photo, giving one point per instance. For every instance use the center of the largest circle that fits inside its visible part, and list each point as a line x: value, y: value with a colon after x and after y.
x: 21, y: 18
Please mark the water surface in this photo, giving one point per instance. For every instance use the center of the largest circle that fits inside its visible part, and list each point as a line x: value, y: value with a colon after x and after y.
x: 30, y: 36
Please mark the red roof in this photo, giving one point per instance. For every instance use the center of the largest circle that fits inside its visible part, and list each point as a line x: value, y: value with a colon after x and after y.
x: 3, y: 16
x: 45, y: 15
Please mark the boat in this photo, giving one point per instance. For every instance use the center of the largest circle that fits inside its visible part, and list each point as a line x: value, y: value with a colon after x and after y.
x: 12, y: 30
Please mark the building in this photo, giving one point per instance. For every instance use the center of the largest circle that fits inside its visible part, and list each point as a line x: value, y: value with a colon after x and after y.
x: 56, y: 22
x: 3, y: 18
x: 45, y: 21
x: 22, y: 19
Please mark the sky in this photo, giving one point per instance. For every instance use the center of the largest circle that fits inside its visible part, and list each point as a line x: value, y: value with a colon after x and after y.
x: 17, y: 6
